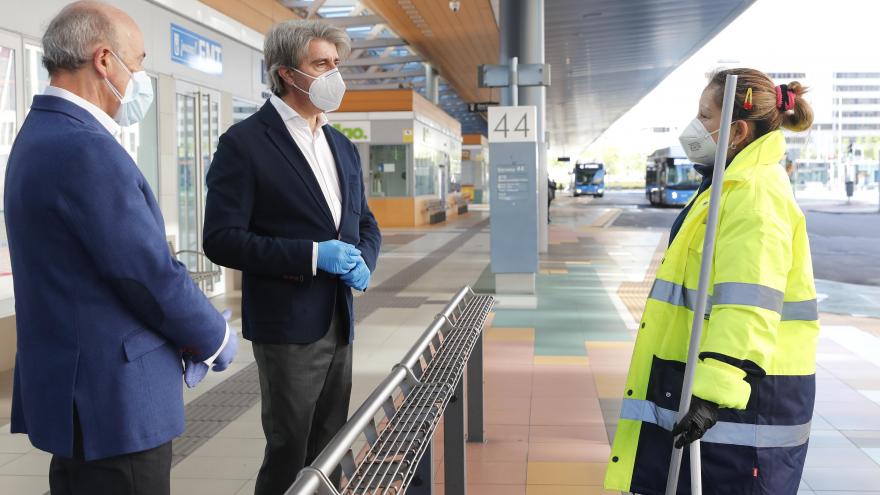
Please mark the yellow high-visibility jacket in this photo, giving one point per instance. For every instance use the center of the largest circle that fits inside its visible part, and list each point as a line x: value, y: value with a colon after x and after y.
x: 758, y: 348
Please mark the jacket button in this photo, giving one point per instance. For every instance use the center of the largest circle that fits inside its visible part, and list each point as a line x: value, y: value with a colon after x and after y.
x: 629, y: 392
x: 643, y: 324
x: 615, y: 459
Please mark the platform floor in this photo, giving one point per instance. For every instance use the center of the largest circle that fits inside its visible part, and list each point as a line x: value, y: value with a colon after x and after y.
x: 554, y: 370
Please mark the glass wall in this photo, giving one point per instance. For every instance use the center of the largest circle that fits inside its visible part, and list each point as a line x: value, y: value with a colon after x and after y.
x: 455, y: 172
x: 437, y: 164
x: 8, y: 111
x: 8, y: 128
x: 141, y: 140
x: 242, y: 109
x: 388, y: 170
x: 36, y: 78
x: 425, y: 171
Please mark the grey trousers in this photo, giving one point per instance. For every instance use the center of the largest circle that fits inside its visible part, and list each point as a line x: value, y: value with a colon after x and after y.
x: 305, y: 394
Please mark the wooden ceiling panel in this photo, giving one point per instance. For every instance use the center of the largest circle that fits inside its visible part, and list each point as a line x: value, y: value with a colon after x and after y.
x: 455, y: 43
x: 258, y: 15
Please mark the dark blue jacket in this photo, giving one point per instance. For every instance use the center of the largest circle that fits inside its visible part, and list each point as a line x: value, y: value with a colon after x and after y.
x: 102, y: 308
x: 264, y: 210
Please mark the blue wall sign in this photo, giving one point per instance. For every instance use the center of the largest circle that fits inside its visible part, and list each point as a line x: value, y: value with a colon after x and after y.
x: 196, y: 51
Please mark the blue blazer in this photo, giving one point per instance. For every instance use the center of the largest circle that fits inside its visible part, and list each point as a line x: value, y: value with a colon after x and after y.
x: 264, y: 210
x: 102, y: 308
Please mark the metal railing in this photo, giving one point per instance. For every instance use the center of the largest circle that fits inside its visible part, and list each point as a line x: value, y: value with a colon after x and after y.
x: 206, y: 274
x: 201, y: 270
x: 387, y: 445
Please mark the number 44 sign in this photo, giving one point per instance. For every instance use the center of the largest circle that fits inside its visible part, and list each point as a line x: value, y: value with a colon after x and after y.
x: 512, y: 124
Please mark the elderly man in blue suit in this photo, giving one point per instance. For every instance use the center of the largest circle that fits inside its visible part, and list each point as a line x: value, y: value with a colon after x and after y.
x: 104, y: 313
x: 286, y: 206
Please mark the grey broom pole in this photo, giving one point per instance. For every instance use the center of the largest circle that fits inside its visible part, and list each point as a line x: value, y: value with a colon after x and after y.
x: 702, y: 294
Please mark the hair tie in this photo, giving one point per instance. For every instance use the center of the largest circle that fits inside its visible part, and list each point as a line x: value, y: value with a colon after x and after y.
x: 785, y: 98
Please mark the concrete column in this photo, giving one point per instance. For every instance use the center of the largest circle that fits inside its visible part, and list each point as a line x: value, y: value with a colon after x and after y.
x: 531, y: 34
x: 432, y: 84
x: 510, y: 42
x: 430, y: 81
x: 522, y: 35
x: 435, y: 96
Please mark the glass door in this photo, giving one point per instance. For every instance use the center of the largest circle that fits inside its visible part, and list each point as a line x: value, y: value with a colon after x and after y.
x: 198, y: 130
x: 388, y: 170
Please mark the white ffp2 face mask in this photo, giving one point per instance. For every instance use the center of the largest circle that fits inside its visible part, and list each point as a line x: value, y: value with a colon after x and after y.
x: 138, y: 97
x: 326, y: 91
x: 698, y: 144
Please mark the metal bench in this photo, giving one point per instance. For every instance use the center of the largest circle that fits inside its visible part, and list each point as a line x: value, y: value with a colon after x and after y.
x: 461, y: 204
x: 386, y: 446
x: 436, y: 211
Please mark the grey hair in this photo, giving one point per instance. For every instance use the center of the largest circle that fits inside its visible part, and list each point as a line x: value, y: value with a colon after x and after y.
x: 73, y: 34
x: 287, y: 45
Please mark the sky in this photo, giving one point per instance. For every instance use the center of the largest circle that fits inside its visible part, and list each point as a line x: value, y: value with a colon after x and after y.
x: 814, y: 36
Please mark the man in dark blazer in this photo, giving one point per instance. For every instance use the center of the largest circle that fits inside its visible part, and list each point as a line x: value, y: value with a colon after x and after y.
x: 103, y: 310
x: 286, y: 206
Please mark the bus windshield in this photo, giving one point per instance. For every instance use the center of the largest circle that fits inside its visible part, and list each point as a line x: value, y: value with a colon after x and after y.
x: 588, y: 175
x: 682, y: 175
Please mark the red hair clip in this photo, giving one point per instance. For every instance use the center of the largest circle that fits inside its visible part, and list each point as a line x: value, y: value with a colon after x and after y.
x: 747, y: 103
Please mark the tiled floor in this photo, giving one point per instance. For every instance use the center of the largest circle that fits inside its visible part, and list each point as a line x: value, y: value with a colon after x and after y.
x: 553, y: 374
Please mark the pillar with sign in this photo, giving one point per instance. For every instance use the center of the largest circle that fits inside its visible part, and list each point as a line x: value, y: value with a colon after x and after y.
x: 513, y: 182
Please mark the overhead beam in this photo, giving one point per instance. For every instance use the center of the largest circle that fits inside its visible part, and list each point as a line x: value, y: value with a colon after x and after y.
x: 357, y: 20
x: 296, y: 4
x: 374, y: 33
x: 313, y: 9
x: 376, y: 43
x: 353, y: 76
x: 370, y: 61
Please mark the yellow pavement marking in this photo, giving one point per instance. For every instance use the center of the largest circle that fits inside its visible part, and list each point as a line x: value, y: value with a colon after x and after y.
x: 566, y: 473
x: 510, y: 334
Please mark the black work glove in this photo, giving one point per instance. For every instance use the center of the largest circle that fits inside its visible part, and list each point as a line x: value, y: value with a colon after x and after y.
x: 701, y: 416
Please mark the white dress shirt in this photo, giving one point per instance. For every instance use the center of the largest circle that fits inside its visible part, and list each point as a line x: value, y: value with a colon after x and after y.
x: 114, y: 129
x: 316, y: 149
x: 99, y: 115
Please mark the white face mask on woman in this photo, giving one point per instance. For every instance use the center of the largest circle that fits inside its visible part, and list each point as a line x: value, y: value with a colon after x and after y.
x: 326, y: 91
x: 698, y: 143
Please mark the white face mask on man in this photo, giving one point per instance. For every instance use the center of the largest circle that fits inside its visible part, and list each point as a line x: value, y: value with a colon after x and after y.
x: 326, y: 91
x: 138, y: 97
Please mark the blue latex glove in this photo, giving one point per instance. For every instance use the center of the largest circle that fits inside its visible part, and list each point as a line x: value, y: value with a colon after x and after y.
x: 359, y: 276
x: 228, y: 353
x: 337, y: 257
x: 195, y: 372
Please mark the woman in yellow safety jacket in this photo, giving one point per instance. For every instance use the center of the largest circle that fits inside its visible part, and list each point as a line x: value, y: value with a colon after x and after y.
x: 754, y: 384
